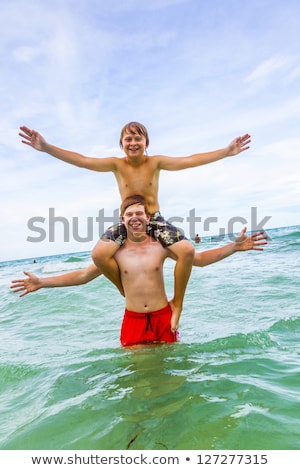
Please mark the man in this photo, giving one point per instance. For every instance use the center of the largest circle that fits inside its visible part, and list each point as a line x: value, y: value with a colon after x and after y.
x: 148, y: 315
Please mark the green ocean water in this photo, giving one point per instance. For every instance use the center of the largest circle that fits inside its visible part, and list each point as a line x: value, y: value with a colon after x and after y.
x: 232, y: 381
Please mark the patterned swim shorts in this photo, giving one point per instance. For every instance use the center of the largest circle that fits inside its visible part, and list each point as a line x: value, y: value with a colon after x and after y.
x: 158, y: 228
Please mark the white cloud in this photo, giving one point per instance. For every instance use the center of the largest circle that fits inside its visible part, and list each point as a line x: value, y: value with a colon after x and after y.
x: 266, y: 70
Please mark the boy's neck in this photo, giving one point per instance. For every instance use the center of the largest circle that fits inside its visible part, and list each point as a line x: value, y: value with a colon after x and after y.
x: 136, y: 161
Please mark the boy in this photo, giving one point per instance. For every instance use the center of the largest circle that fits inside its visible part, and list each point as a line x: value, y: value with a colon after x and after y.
x: 138, y: 173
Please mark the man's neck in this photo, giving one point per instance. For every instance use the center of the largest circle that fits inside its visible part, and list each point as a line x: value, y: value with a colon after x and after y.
x: 137, y: 240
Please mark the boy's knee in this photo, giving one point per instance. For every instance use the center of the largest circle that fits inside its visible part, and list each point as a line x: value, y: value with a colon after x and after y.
x: 184, y: 249
x: 97, y: 251
x: 189, y: 251
x: 104, y: 251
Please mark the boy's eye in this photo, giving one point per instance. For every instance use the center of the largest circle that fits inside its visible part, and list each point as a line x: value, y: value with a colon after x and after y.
x: 137, y: 138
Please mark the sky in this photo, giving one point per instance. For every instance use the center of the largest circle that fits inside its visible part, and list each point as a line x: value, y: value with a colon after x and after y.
x: 196, y: 73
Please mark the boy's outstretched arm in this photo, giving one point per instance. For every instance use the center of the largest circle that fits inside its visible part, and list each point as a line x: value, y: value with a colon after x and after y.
x: 35, y: 140
x: 75, y: 278
x: 238, y: 145
x: 241, y: 243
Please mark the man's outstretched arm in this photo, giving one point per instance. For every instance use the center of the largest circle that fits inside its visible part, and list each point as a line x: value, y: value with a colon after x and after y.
x: 241, y: 243
x: 32, y: 283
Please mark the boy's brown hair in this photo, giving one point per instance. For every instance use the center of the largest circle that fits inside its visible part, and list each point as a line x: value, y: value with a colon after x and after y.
x: 133, y: 128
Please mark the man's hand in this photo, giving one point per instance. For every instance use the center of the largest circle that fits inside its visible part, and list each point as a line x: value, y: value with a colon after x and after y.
x: 28, y: 284
x: 32, y: 138
x: 239, y: 144
x: 250, y: 242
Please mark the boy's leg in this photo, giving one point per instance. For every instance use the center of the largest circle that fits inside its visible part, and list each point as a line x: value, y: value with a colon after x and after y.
x: 103, y: 257
x: 184, y: 251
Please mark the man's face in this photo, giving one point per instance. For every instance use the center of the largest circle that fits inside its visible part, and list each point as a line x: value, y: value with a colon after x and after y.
x: 135, y: 221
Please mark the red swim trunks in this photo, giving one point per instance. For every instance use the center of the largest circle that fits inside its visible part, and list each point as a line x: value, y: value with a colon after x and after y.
x: 147, y: 327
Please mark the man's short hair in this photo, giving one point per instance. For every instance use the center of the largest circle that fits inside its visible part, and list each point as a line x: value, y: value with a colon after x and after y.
x: 130, y: 201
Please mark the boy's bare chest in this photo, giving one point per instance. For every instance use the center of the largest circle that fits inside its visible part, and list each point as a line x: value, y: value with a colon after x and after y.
x: 137, y: 177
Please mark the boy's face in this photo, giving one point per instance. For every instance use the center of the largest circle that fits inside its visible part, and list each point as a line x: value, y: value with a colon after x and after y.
x: 133, y: 144
x: 135, y: 220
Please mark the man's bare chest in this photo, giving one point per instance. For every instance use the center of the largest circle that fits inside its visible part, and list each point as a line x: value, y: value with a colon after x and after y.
x: 141, y: 259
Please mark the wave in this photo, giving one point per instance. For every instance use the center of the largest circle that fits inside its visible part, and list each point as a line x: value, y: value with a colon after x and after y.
x: 73, y: 259
x: 239, y: 341
x: 290, y: 325
x: 14, y: 373
x: 64, y: 266
x: 277, y: 336
x: 286, y: 232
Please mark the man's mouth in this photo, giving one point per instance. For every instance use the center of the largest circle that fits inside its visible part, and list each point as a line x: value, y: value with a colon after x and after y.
x: 136, y: 224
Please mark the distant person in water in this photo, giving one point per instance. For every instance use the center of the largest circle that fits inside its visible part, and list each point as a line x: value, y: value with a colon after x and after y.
x: 148, y: 316
x: 197, y: 238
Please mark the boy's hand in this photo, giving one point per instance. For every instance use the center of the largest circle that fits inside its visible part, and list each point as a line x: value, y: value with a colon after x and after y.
x: 239, y: 144
x: 32, y: 138
x: 176, y: 312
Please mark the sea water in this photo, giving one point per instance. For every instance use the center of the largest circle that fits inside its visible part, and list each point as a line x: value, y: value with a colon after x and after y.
x: 231, y: 382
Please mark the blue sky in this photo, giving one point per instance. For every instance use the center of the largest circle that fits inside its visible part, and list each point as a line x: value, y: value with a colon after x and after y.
x: 197, y: 73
